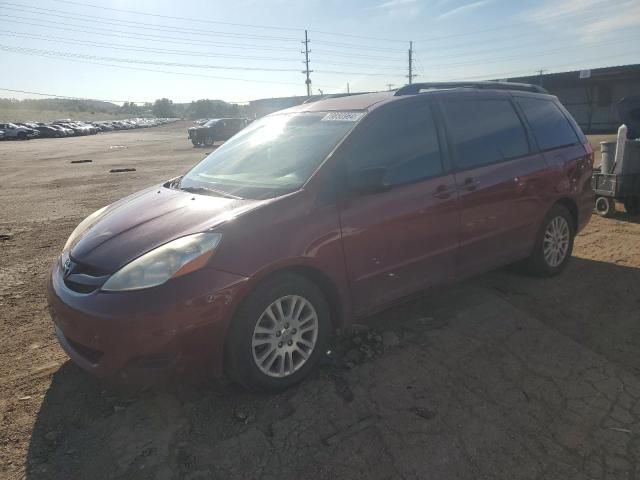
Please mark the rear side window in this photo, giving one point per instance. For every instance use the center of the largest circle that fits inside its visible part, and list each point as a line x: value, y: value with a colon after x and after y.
x: 549, y: 125
x: 484, y: 131
x: 402, y: 139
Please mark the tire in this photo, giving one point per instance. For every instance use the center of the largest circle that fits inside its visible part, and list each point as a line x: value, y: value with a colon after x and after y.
x: 208, y: 141
x: 557, y: 230
x: 284, y: 347
x: 605, y: 206
x: 632, y: 205
x: 22, y: 136
x: 195, y: 142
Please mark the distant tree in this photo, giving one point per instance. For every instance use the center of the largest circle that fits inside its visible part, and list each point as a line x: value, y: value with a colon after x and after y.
x: 130, y: 108
x: 163, y: 107
x: 206, y: 108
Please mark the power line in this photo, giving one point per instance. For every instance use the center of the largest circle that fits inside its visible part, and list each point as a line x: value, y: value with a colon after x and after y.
x: 65, y: 96
x: 182, y: 53
x: 156, y: 38
x: 116, y: 46
x: 335, y: 53
x: 355, y: 46
x: 201, y: 20
x: 594, y: 7
x: 173, y: 17
x: 365, y: 37
x: 128, y: 67
x: 191, y: 31
x: 148, y: 26
x: 57, y: 53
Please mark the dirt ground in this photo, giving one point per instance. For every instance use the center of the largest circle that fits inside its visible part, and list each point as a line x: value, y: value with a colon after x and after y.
x: 501, y: 377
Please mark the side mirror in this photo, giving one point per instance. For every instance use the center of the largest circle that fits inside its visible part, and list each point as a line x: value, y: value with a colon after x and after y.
x: 369, y: 180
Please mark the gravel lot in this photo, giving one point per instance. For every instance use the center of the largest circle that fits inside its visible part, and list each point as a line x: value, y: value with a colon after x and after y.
x: 501, y: 377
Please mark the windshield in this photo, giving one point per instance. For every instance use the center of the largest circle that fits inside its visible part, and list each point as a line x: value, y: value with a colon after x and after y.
x: 272, y: 156
x: 210, y: 123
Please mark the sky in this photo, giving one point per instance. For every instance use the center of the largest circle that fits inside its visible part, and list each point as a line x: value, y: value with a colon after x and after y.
x: 240, y: 50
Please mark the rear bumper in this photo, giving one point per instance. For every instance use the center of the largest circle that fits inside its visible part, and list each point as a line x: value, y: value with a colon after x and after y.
x: 128, y: 337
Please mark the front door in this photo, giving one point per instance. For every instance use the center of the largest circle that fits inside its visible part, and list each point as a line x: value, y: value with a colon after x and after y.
x: 398, y: 241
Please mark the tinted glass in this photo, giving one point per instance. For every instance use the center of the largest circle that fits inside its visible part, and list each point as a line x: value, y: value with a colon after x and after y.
x: 274, y: 155
x: 550, y: 127
x: 484, y: 131
x: 402, y: 139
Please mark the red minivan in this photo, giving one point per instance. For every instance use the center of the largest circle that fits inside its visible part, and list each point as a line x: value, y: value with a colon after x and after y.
x: 314, y: 216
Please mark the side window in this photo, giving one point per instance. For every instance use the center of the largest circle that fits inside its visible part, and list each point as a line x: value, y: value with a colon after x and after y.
x: 484, y: 131
x: 549, y: 125
x: 402, y: 139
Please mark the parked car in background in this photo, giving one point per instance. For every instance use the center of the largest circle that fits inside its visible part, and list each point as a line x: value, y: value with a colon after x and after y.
x: 215, y: 130
x: 315, y: 216
x: 63, y: 130
x: 49, y: 132
x: 1, y: 134
x: 14, y: 131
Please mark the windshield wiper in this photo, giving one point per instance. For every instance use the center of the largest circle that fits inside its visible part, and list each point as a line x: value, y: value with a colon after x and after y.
x: 209, y: 191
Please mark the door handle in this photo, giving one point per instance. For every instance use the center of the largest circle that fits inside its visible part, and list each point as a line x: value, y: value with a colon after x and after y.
x: 443, y: 192
x: 470, y: 184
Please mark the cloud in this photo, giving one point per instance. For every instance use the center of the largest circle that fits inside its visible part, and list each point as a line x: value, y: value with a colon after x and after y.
x: 391, y: 4
x: 588, y: 18
x: 463, y: 9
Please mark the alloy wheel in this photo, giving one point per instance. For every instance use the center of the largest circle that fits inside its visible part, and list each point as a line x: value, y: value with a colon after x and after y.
x: 556, y: 241
x: 285, y: 336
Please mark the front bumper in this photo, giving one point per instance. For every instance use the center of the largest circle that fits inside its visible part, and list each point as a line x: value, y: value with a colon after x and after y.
x: 176, y: 328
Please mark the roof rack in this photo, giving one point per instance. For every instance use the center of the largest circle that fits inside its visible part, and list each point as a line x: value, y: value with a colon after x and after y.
x: 416, y: 88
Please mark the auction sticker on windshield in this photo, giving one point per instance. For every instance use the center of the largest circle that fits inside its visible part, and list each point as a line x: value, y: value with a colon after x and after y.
x: 342, y: 116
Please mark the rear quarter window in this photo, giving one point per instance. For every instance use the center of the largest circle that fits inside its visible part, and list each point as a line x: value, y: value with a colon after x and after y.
x: 549, y: 125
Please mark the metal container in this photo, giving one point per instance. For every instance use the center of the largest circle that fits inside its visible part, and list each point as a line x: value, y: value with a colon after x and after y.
x: 608, y: 152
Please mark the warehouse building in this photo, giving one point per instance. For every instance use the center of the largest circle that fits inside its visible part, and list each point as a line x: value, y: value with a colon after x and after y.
x: 591, y: 95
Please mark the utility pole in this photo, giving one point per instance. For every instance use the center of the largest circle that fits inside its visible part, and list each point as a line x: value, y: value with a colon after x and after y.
x: 411, y: 74
x: 348, y: 88
x: 390, y: 86
x: 306, y: 62
x: 541, y: 71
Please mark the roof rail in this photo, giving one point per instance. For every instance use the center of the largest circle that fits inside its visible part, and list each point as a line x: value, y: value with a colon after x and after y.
x: 416, y: 88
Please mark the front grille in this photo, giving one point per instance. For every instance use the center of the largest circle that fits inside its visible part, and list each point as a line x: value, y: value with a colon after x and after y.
x: 88, y: 353
x: 79, y: 287
x: 83, y: 278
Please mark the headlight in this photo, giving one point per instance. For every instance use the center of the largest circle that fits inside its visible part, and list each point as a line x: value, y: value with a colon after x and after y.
x: 80, y: 229
x: 171, y: 260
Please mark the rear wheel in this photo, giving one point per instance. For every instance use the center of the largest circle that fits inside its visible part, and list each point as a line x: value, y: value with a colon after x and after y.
x: 279, y: 334
x: 605, y: 206
x: 554, y: 243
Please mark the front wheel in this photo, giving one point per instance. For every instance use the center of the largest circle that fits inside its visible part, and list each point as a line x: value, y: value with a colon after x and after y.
x: 208, y: 141
x: 279, y: 334
x: 554, y: 243
x: 195, y: 142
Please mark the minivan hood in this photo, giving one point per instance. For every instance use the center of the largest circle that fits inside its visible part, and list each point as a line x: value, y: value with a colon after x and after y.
x: 150, y: 218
